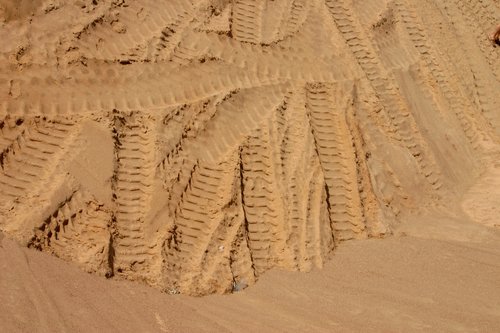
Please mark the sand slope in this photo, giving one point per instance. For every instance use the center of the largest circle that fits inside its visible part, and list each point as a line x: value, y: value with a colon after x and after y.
x: 194, y: 145
x: 411, y: 284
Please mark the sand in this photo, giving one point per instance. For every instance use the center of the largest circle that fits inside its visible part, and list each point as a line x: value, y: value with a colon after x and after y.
x: 197, y: 147
x: 400, y: 284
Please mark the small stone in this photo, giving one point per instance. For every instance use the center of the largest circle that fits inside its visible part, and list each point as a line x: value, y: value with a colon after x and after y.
x: 119, y: 27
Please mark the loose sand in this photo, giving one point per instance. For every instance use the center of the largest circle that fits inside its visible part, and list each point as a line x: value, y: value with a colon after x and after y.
x: 193, y: 146
x: 399, y: 284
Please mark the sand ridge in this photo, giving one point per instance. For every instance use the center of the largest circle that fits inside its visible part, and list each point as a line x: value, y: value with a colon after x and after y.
x: 194, y: 145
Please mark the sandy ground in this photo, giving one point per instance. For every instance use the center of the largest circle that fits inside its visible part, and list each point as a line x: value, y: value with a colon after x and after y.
x: 210, y: 147
x: 400, y: 284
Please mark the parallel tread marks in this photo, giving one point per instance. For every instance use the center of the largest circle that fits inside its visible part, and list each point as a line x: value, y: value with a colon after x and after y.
x: 389, y: 95
x: 338, y: 159
x: 200, y: 223
x: 478, y: 20
x: 457, y: 101
x: 133, y: 189
x: 31, y: 157
x: 263, y: 210
x: 247, y: 21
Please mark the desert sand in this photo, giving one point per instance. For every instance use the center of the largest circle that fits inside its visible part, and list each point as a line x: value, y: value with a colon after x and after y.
x: 325, y: 165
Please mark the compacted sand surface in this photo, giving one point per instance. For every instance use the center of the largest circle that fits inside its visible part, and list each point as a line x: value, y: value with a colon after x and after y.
x: 401, y: 284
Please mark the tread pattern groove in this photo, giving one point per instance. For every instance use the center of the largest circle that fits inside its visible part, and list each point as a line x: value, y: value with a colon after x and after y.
x: 133, y: 181
x: 31, y: 157
x: 334, y: 143
x: 388, y: 93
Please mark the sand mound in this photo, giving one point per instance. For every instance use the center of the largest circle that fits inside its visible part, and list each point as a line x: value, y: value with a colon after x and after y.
x: 194, y: 145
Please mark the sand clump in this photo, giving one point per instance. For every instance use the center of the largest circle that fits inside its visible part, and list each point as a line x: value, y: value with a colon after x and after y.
x: 194, y: 145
